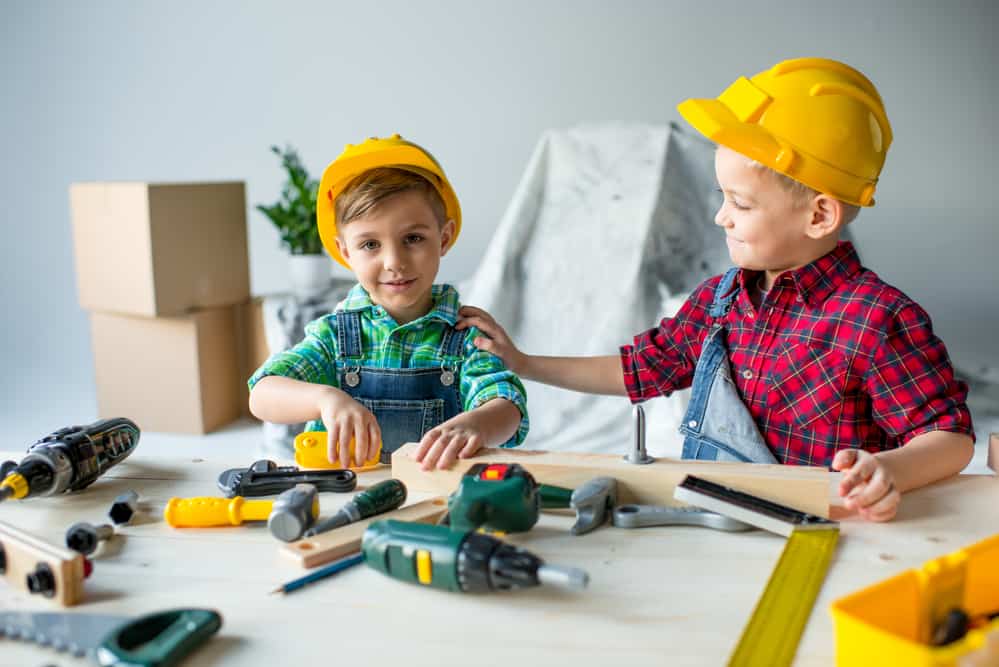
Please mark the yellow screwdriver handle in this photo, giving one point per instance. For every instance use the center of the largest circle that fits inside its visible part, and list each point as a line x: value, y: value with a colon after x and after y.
x: 210, y: 511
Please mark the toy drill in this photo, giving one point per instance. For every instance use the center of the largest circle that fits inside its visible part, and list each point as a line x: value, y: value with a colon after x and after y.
x: 69, y: 459
x: 501, y: 497
x: 468, y: 562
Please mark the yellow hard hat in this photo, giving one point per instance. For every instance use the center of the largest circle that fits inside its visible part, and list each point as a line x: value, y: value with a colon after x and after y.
x: 373, y: 153
x: 817, y: 121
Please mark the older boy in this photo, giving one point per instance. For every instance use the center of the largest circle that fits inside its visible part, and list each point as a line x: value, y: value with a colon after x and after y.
x: 798, y: 354
x: 388, y: 365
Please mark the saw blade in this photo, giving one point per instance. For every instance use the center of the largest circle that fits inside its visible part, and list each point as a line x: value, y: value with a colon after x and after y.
x: 73, y: 633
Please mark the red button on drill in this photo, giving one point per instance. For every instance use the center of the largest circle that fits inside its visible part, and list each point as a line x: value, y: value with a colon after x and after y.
x: 494, y: 472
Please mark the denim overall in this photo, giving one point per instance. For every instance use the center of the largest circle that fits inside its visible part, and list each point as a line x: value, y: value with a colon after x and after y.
x: 407, y: 402
x: 718, y: 426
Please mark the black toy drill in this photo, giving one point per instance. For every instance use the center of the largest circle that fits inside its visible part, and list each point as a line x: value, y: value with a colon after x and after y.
x: 466, y: 562
x: 69, y: 459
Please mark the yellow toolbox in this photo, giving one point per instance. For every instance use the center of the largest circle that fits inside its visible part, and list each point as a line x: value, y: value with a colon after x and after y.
x: 891, y: 622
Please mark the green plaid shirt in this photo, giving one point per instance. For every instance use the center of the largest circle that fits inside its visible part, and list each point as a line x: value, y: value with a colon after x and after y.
x: 386, y: 344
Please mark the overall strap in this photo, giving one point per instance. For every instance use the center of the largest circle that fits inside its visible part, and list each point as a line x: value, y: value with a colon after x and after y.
x: 725, y: 293
x: 348, y: 335
x: 453, y: 344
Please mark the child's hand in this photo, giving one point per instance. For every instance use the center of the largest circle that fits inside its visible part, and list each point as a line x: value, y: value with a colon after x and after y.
x: 345, y: 418
x: 495, y: 340
x: 458, y: 437
x: 867, y: 486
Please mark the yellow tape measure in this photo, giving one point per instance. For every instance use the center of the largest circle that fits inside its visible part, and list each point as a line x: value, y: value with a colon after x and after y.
x: 771, y: 637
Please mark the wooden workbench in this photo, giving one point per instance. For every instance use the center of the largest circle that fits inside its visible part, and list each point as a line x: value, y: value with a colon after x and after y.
x: 677, y: 596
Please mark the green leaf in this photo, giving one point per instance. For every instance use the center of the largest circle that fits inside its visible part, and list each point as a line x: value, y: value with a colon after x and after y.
x: 294, y: 214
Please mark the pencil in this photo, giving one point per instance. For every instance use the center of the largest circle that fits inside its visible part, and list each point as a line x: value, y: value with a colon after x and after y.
x: 321, y: 573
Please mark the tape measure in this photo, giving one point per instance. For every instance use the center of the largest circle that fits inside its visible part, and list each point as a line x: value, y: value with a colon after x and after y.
x: 772, y: 634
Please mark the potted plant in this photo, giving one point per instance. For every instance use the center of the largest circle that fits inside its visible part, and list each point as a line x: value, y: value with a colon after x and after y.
x: 294, y: 216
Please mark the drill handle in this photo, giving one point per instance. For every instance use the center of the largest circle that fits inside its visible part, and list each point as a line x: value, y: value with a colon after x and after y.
x: 208, y: 511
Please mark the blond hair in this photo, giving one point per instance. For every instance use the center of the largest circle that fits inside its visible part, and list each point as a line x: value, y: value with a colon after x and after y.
x: 371, y: 188
x: 801, y: 193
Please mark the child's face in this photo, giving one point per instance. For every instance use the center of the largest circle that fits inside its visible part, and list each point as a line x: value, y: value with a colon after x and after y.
x: 764, y: 227
x: 395, y: 251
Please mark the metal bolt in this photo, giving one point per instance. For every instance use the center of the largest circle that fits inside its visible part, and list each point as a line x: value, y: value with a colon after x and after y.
x: 83, y: 537
x: 638, y: 455
x: 42, y: 580
x: 123, y: 507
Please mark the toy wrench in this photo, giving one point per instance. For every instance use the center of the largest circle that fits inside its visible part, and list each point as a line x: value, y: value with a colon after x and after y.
x: 639, y: 516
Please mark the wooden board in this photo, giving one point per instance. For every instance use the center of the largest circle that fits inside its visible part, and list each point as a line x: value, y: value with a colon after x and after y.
x: 340, y: 542
x: 23, y: 554
x: 804, y: 488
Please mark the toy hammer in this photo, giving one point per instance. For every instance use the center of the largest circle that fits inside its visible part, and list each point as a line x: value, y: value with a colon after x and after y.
x: 287, y: 516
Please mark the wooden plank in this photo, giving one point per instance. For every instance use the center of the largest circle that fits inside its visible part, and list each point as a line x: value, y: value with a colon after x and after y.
x: 340, y: 542
x: 24, y: 553
x: 802, y: 487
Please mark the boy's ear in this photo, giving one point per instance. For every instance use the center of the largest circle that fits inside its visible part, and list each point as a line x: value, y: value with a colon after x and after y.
x: 825, y: 216
x: 342, y: 247
x: 447, y: 233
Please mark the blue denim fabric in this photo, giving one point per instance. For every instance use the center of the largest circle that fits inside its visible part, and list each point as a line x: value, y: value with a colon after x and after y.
x: 407, y: 402
x: 717, y: 425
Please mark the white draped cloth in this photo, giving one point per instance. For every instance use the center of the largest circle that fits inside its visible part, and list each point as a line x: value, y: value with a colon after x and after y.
x: 610, y: 228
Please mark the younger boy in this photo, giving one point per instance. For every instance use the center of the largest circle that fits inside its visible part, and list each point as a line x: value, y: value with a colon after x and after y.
x: 388, y: 366
x: 799, y: 354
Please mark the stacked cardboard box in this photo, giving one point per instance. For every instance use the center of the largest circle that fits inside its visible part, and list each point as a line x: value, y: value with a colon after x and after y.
x: 164, y: 273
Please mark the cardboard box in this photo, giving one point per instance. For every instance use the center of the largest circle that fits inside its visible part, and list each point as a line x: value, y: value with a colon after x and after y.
x: 169, y: 374
x: 159, y: 249
x: 253, y: 349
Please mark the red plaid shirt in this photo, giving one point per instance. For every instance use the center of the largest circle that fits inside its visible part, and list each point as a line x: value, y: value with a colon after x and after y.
x: 833, y: 358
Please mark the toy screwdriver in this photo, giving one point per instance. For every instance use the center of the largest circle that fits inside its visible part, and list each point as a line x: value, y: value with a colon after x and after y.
x: 69, y: 459
x: 471, y: 562
x: 382, y: 497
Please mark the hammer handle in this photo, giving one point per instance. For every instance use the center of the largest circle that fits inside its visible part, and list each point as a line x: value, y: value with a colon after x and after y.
x: 209, y: 511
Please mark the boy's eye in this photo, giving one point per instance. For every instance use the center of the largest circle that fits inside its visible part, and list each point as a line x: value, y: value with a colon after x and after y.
x: 369, y: 245
x: 413, y: 238
x: 731, y: 200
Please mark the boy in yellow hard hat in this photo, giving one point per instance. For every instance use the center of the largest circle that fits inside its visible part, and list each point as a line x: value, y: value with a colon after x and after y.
x: 798, y: 354
x: 388, y: 366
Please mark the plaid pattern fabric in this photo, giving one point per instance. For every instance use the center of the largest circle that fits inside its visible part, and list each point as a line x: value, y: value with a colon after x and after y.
x: 385, y: 344
x: 834, y: 358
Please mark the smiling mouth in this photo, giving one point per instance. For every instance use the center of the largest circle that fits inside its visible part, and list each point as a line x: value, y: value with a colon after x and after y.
x: 399, y: 283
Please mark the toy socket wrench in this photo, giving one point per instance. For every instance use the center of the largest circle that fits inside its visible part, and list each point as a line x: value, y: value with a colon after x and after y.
x: 639, y: 516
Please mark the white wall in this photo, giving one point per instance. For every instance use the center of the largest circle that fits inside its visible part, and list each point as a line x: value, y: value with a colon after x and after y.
x: 188, y: 90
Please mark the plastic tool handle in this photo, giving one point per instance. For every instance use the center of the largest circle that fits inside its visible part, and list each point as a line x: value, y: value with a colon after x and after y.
x: 158, y: 640
x: 382, y: 497
x: 554, y: 497
x: 209, y: 511
x: 311, y: 452
x: 640, y: 516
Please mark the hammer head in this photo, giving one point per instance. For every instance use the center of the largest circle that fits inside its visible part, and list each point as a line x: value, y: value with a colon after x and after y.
x: 294, y: 512
x: 593, y: 502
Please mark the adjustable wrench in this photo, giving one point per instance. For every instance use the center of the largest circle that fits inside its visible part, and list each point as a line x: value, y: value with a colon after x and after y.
x: 639, y: 516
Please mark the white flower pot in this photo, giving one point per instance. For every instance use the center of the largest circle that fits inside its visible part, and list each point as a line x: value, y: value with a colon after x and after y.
x: 311, y: 275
